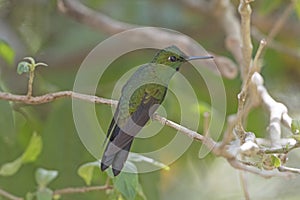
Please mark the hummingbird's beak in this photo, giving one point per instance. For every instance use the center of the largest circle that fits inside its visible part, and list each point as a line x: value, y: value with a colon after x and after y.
x: 198, y: 57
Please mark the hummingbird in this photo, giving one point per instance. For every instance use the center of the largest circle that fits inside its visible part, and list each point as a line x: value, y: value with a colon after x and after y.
x: 140, y: 97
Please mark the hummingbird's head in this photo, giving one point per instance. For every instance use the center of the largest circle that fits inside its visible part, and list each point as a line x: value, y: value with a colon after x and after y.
x: 172, y: 56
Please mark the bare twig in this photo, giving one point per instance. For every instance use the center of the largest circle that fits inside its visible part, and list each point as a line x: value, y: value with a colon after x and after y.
x: 211, y: 144
x: 81, y: 189
x: 104, y: 23
x: 224, y: 12
x: 276, y: 29
x: 53, y: 96
x: 273, y: 44
x: 277, y: 111
x: 9, y: 196
x: 264, y: 173
x: 192, y: 134
x: 281, y: 21
x: 85, y: 15
x: 228, y: 134
x: 245, y: 90
x: 244, y: 185
x: 206, y: 121
x: 289, y: 169
x: 282, y: 150
x: 245, y: 12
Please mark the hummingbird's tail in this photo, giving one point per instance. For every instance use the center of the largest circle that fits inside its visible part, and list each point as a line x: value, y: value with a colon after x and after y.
x: 116, y: 154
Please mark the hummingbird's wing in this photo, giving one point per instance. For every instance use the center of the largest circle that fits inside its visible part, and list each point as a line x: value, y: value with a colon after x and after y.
x: 120, y: 141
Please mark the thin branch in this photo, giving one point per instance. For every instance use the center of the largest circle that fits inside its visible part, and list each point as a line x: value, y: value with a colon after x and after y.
x: 256, y: 64
x: 244, y: 185
x: 216, y: 148
x: 281, y: 21
x: 254, y: 170
x: 282, y: 48
x: 53, y: 96
x: 106, y: 24
x: 277, y: 111
x: 192, y: 134
x: 9, y: 196
x: 276, y: 29
x: 85, y: 15
x: 228, y: 134
x: 245, y: 91
x: 245, y: 12
x: 289, y: 169
x: 224, y: 12
x: 30, y: 83
x: 81, y: 189
x: 206, y: 121
x: 282, y: 150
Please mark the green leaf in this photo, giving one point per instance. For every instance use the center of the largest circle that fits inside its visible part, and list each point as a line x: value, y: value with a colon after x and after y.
x: 276, y: 162
x: 43, y: 176
x: 33, y: 149
x: 297, y: 8
x: 295, y: 127
x: 6, y: 52
x: 127, y: 181
x: 7, y: 133
x: 86, y: 170
x: 11, y: 168
x: 44, y: 194
x: 140, y: 158
x: 23, y: 67
x: 31, y: 153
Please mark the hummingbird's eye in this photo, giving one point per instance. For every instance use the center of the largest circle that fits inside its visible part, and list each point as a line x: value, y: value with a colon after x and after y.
x: 172, y: 58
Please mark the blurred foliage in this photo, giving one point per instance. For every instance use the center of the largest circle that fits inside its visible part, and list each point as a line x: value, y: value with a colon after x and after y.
x: 36, y: 28
x: 6, y: 52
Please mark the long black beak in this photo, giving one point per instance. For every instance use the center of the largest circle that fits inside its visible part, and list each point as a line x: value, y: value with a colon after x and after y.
x: 198, y: 57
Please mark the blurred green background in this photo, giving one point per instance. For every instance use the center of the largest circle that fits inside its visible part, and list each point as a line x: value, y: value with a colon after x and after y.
x: 36, y: 28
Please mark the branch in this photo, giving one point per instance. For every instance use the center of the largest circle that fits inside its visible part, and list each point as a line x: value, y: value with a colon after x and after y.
x: 62, y: 191
x: 254, y: 170
x: 281, y: 21
x: 282, y: 48
x: 244, y: 94
x: 243, y: 180
x: 245, y: 12
x: 85, y: 15
x: 208, y: 142
x: 81, y: 189
x: 276, y: 28
x: 9, y: 196
x: 53, y: 96
x: 289, y: 169
x: 224, y: 12
x: 281, y: 150
x: 108, y: 25
x: 219, y: 149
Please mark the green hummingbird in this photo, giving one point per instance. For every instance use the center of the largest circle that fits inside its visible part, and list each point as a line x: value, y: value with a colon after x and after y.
x: 140, y: 97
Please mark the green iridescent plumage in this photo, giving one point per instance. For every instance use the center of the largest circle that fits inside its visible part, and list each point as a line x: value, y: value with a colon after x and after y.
x: 140, y: 97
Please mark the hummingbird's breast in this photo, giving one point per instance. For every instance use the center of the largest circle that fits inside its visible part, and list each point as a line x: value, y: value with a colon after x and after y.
x: 150, y: 81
